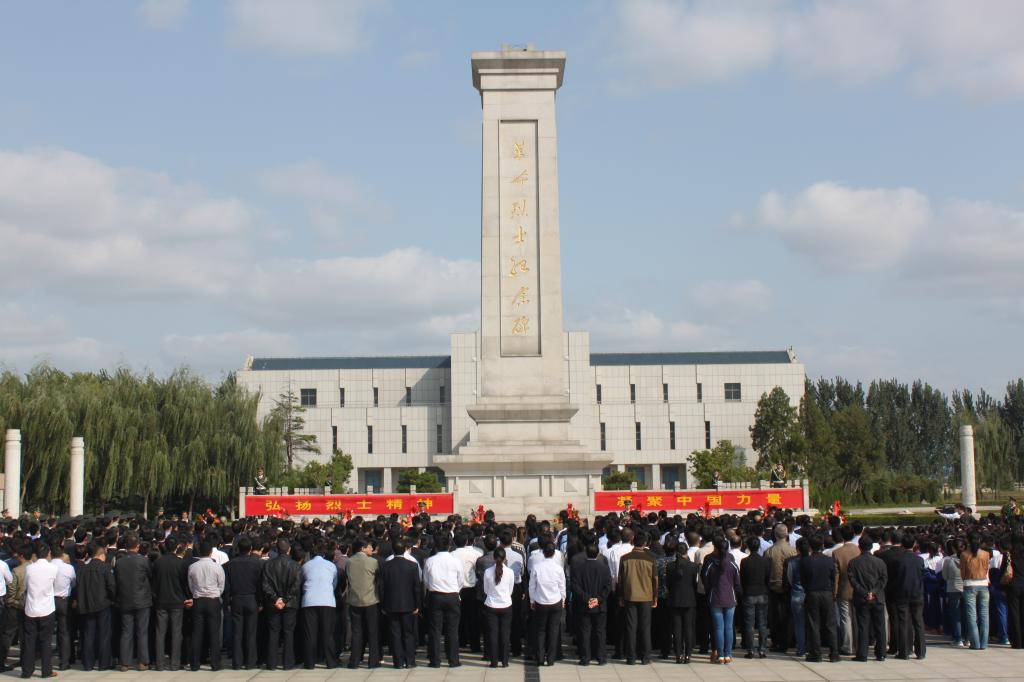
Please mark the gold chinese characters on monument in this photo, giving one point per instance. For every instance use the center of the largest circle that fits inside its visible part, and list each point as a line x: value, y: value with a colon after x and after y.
x: 519, y: 243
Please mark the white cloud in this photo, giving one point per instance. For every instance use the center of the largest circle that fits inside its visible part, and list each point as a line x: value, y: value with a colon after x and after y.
x: 627, y: 329
x: 936, y: 44
x: 310, y: 181
x: 75, y: 354
x: 18, y: 327
x: 300, y: 27
x: 224, y: 351
x: 163, y: 14
x: 846, y: 228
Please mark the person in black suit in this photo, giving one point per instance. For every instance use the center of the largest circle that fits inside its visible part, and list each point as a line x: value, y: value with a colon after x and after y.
x: 282, y: 594
x: 401, y: 598
x: 868, y: 576
x: 819, y: 576
x: 95, y: 593
x: 682, y: 577
x: 244, y: 575
x: 907, y: 582
x: 591, y: 584
x: 171, y: 596
x: 134, y: 599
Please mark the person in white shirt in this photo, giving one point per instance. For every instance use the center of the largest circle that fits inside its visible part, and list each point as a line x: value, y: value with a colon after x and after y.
x: 444, y: 576
x: 62, y: 598
x: 499, y: 581
x: 37, y: 629
x: 469, y: 617
x: 547, y: 600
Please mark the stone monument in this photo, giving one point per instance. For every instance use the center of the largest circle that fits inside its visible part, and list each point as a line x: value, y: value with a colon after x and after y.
x: 523, y: 459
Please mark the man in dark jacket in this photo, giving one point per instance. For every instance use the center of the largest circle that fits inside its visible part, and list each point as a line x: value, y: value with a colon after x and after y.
x: 754, y: 570
x: 819, y: 577
x: 907, y: 581
x: 591, y: 585
x: 282, y: 595
x: 134, y: 599
x: 401, y: 596
x: 170, y: 591
x: 95, y: 592
x: 244, y: 575
x: 868, y: 577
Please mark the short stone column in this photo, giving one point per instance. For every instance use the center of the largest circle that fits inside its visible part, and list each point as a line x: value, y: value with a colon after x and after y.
x: 76, y: 506
x: 968, y: 489
x: 12, y: 472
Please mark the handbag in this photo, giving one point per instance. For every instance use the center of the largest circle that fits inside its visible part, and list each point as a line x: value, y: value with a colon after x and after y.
x: 1007, y: 576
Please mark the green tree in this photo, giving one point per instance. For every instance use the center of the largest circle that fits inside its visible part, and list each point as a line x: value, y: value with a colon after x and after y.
x: 776, y: 435
x: 617, y: 480
x: 860, y: 453
x: 289, y: 411
x: 820, y: 445
x: 425, y: 482
x: 723, y: 458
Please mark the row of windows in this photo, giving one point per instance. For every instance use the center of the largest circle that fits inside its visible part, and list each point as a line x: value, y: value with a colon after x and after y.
x: 671, y: 436
x: 405, y: 439
x: 307, y: 396
x: 732, y: 392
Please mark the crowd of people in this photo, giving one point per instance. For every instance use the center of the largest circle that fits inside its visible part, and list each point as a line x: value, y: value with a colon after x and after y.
x: 132, y: 594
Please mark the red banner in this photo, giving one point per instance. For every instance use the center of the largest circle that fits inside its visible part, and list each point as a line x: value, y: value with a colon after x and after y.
x: 341, y: 505
x: 694, y: 500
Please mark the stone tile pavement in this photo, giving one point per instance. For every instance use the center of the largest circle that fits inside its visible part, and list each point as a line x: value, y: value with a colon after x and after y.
x: 942, y: 663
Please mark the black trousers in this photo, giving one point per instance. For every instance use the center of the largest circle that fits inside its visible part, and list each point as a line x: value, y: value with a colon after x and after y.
x: 820, y: 609
x: 637, y: 635
x: 682, y: 630
x: 281, y: 625
x: 469, y: 619
x: 96, y: 639
x: 135, y: 629
x: 245, y: 617
x: 63, y: 624
x: 171, y: 618
x: 6, y: 615
x: 870, y: 619
x: 318, y: 629
x: 403, y: 639
x: 518, y: 619
x: 37, y: 636
x: 779, y: 617
x: 499, y: 633
x: 703, y: 626
x: 591, y: 636
x: 365, y: 622
x: 549, y: 624
x: 1015, y: 616
x: 614, y: 626
x: 444, y: 614
x: 207, y: 621
x: 910, y: 629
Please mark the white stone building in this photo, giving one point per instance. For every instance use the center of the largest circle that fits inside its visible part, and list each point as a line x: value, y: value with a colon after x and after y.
x: 521, y: 416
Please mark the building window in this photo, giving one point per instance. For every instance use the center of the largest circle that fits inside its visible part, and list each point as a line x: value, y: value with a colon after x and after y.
x: 671, y: 435
x: 638, y: 435
x: 376, y: 396
x: 307, y: 397
x: 640, y: 474
x: 604, y: 445
x: 632, y: 393
x: 669, y: 476
x: 408, y: 396
x: 664, y: 392
x: 369, y: 440
x: 405, y: 439
x: 440, y: 439
x: 342, y: 392
x: 707, y: 435
x: 599, y: 394
x: 334, y: 439
x: 700, y: 392
x: 442, y: 395
x: 732, y: 391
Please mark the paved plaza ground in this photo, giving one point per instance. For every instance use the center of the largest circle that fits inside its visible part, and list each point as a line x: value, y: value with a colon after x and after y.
x: 942, y: 663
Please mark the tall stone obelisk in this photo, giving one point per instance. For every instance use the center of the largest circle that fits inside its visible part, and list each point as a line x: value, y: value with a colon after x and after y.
x: 522, y: 457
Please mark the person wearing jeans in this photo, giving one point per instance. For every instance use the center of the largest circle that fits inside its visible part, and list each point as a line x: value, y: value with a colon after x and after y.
x: 974, y: 571
x: 754, y: 571
x: 954, y: 611
x: 797, y: 596
x: 722, y: 584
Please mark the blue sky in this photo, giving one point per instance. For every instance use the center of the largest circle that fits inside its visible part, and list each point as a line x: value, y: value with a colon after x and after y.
x: 191, y: 183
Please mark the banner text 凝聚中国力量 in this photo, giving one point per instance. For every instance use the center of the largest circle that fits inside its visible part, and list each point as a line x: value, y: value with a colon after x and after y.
x: 351, y: 505
x: 692, y: 500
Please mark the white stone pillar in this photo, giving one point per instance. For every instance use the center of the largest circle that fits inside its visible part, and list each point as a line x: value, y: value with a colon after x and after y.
x: 969, y: 492
x: 76, y: 505
x: 12, y: 472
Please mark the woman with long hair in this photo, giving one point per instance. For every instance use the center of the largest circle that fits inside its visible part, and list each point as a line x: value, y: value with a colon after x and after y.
x: 721, y: 579
x: 499, y: 580
x: 682, y: 601
x: 974, y: 571
x: 1014, y: 560
x: 954, y: 591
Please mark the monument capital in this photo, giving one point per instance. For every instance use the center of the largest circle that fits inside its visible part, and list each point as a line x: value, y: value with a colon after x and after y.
x: 518, y: 69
